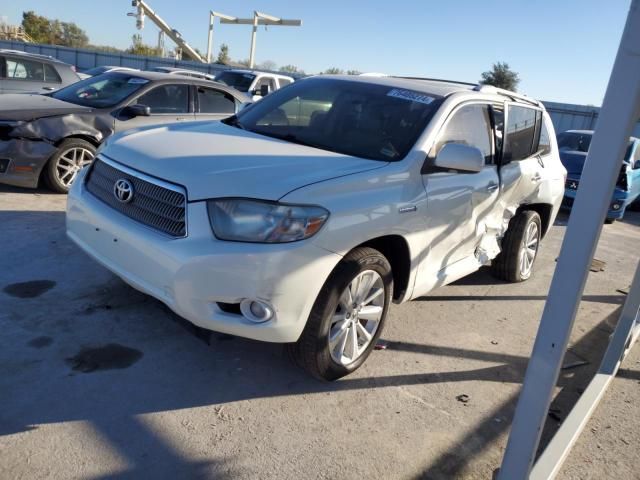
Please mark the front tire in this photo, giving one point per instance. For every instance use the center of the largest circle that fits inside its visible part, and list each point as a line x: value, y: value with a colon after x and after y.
x: 348, y: 316
x: 520, y: 247
x: 73, y: 154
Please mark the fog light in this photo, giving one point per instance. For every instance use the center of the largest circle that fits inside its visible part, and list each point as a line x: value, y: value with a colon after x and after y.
x: 616, y: 206
x: 256, y: 311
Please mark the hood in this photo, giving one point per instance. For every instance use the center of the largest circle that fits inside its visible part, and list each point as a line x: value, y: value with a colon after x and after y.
x: 27, y: 107
x: 573, y: 161
x: 212, y: 159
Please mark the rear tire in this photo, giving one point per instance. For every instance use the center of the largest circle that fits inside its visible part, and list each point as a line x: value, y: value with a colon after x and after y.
x: 609, y: 221
x: 62, y: 168
x: 521, y: 239
x: 337, y: 338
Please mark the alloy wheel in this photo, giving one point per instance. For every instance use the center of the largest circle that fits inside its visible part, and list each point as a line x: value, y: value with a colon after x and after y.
x: 70, y: 162
x: 529, y: 249
x: 357, y: 317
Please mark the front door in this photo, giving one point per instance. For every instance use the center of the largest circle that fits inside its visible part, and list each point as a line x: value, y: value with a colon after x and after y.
x: 461, y: 207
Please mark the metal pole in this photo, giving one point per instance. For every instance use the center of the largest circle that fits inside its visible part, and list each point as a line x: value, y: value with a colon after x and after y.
x: 210, y: 41
x: 253, y: 40
x: 618, y: 116
x: 550, y: 462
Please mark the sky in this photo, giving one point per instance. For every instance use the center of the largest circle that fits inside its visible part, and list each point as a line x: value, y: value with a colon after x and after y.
x: 563, y: 50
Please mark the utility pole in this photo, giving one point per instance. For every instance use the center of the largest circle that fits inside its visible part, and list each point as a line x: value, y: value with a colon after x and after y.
x: 260, y: 19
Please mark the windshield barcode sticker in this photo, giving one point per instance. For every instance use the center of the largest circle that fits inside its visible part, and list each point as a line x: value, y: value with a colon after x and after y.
x: 410, y: 95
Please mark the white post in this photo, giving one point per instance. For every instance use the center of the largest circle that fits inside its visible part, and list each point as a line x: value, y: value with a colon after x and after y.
x: 253, y: 40
x: 620, y: 111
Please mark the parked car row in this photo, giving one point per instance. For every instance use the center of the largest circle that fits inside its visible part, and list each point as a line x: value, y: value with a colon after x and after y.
x: 51, y: 137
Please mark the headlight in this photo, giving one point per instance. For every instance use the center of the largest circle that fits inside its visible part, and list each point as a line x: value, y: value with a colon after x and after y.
x: 244, y: 220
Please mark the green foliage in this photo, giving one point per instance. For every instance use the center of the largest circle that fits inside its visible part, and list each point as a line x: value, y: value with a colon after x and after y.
x: 334, y: 71
x: 54, y: 32
x: 353, y: 72
x: 501, y: 76
x: 290, y: 69
x: 139, y: 48
x: 223, y: 55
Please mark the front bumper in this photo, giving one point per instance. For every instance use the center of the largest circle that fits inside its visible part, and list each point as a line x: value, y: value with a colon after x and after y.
x: 617, y: 207
x: 26, y: 158
x: 192, y: 274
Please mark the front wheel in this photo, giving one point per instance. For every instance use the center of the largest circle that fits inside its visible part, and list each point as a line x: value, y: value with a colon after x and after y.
x: 519, y: 248
x: 73, y: 154
x: 347, y: 317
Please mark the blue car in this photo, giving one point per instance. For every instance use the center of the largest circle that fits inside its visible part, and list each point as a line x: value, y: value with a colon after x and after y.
x: 574, y: 145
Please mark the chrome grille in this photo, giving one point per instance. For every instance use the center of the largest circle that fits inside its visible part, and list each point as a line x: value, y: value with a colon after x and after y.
x: 153, y: 205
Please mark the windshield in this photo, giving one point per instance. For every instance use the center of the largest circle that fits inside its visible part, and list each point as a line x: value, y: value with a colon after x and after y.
x: 580, y: 142
x: 365, y: 120
x: 237, y: 80
x: 103, y: 91
x: 577, y: 142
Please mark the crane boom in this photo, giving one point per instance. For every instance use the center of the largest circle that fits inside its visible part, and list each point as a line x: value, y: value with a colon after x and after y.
x: 145, y: 9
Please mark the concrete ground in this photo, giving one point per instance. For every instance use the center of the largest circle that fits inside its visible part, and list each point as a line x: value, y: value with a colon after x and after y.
x: 100, y: 381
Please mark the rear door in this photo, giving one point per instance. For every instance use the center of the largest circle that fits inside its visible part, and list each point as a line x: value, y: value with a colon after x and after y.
x: 169, y: 103
x: 213, y: 103
x: 26, y: 75
x: 522, y: 168
x: 461, y: 206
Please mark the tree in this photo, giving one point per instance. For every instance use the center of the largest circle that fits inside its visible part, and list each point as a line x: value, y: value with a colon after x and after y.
x: 353, y: 72
x: 501, y: 76
x: 223, y: 55
x: 139, y: 48
x: 334, y: 71
x: 290, y: 69
x: 55, y: 32
x: 268, y: 65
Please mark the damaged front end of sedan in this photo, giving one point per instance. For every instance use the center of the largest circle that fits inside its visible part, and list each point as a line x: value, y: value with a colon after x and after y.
x: 26, y: 145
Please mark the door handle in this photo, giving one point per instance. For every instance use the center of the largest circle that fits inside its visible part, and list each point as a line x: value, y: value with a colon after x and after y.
x: 49, y: 88
x: 536, y: 178
x: 181, y: 119
x: 492, y: 187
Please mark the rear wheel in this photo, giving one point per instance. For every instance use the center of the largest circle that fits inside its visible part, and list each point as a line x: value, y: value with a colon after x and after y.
x: 73, y: 154
x: 347, y: 317
x: 519, y: 248
x: 609, y: 221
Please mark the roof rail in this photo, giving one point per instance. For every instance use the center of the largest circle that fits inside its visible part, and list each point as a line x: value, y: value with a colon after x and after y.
x: 438, y: 80
x: 507, y: 93
x: 22, y: 52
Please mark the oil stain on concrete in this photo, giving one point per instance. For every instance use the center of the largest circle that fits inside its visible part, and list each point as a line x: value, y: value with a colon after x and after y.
x: 108, y: 357
x: 30, y: 289
x: 40, y: 342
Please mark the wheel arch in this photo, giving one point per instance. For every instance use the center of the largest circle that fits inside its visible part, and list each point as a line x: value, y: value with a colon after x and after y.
x: 545, y: 211
x: 80, y: 136
x: 396, y: 249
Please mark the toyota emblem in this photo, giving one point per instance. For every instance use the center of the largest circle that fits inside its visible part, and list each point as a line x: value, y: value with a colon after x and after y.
x: 123, y: 190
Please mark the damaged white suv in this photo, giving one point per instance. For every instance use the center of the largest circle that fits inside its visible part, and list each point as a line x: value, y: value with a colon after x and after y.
x: 300, y: 219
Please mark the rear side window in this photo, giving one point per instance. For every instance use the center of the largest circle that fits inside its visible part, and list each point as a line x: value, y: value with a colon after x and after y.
x: 470, y: 125
x: 283, y: 82
x: 22, y: 69
x: 520, y: 133
x: 50, y: 74
x: 215, y: 101
x: 544, y: 146
x: 167, y: 99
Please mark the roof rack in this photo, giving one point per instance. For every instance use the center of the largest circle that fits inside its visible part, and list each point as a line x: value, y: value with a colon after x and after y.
x: 22, y: 52
x: 438, y: 80
x: 506, y: 93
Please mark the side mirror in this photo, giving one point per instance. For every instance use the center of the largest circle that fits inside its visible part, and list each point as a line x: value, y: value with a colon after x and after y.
x: 455, y: 156
x: 137, y: 110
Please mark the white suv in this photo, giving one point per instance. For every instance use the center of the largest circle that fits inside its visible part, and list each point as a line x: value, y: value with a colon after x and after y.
x: 300, y: 219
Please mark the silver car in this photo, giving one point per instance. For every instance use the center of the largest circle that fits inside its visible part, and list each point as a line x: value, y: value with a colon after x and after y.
x: 22, y: 72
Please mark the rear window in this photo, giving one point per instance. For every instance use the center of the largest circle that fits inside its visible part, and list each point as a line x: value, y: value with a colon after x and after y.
x: 544, y: 146
x: 50, y: 74
x: 574, y: 141
x: 215, y: 101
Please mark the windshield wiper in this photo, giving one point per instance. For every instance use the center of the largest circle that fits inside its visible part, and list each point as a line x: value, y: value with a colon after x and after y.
x: 234, y: 122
